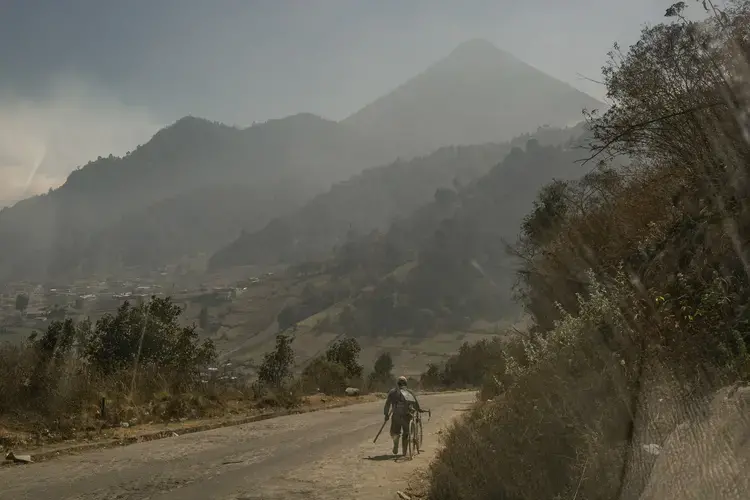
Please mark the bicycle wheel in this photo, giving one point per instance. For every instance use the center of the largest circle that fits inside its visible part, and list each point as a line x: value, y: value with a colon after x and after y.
x: 412, y: 438
x: 419, y: 435
x: 415, y: 439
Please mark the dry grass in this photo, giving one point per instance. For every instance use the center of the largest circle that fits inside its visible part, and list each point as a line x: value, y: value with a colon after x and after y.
x: 559, y: 430
x: 64, y: 401
x: 667, y: 239
x: 54, y: 400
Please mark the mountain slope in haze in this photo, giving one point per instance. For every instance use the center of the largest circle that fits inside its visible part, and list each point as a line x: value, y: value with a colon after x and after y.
x: 370, y: 201
x: 191, y: 224
x: 477, y: 94
x: 365, y: 202
x: 446, y: 265
x: 108, y: 209
x: 52, y: 233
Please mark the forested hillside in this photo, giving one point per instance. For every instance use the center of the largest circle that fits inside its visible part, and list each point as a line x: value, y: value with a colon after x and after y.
x: 371, y: 201
x: 445, y: 265
x: 185, y: 167
x: 456, y: 250
x: 232, y: 180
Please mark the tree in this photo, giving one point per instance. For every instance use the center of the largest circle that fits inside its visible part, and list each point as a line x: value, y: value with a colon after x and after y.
x: 276, y: 367
x: 203, y: 318
x: 383, y: 365
x: 22, y: 302
x: 381, y: 373
x: 51, y: 350
x: 431, y: 378
x: 150, y: 334
x: 325, y: 376
x: 56, y: 341
x: 547, y: 213
x: 672, y: 88
x: 345, y: 352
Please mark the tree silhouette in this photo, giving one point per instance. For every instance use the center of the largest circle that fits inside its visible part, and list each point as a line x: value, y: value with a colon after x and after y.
x: 22, y: 302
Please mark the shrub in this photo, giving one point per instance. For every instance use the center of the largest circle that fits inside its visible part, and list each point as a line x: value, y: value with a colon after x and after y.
x: 345, y: 352
x: 381, y: 378
x: 561, y: 423
x: 324, y: 376
x: 58, y: 378
x: 276, y: 368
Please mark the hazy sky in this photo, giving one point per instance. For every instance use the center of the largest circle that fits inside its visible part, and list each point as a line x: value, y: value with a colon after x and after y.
x: 81, y: 78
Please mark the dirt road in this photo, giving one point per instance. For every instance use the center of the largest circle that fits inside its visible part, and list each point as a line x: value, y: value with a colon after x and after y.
x: 322, y: 455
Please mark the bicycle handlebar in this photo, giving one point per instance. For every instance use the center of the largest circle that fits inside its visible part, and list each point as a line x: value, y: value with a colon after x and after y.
x: 428, y: 412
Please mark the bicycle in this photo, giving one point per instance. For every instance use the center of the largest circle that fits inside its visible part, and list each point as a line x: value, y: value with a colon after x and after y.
x: 415, y: 431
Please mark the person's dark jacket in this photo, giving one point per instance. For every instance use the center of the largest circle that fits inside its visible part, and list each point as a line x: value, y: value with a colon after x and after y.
x: 399, y: 398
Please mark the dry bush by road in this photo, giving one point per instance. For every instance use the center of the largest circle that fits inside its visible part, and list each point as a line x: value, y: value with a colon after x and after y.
x: 637, y: 279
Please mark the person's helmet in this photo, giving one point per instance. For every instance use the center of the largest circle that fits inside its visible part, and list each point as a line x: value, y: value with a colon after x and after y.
x: 401, y: 380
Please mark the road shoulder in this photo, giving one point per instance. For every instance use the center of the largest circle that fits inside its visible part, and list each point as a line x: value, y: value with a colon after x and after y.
x: 116, y: 437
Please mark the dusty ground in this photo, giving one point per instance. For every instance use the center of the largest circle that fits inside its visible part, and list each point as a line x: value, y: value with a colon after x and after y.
x: 323, y: 455
x: 43, y: 446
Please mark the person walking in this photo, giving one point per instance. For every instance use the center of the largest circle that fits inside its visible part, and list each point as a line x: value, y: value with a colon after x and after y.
x: 401, y: 400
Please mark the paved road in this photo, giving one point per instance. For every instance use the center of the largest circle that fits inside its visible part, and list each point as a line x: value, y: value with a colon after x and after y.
x: 321, y: 455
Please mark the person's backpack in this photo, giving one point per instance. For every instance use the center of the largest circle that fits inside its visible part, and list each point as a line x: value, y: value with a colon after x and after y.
x: 406, y: 399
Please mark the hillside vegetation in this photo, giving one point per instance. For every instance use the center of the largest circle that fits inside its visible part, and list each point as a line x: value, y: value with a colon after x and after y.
x: 443, y: 267
x: 140, y: 365
x: 637, y: 282
x: 197, y: 185
x: 114, y: 204
x: 371, y: 201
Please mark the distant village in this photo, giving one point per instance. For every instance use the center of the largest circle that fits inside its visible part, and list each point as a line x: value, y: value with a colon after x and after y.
x: 26, y: 307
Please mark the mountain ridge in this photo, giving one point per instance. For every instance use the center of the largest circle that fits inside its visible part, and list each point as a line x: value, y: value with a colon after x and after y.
x: 463, y: 87
x: 370, y: 201
x: 48, y: 233
x: 454, y: 102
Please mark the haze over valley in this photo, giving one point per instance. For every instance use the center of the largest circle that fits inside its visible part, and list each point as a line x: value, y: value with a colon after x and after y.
x: 196, y: 185
x: 216, y: 214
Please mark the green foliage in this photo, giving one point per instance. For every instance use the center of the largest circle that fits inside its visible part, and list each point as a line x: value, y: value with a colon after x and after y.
x: 56, y: 341
x: 636, y: 279
x: 335, y: 370
x: 431, y: 378
x: 148, y: 335
x: 460, y: 268
x: 366, y: 204
x: 381, y: 376
x: 547, y: 213
x: 345, y: 352
x: 325, y: 376
x: 564, y: 394
x: 479, y: 365
x: 276, y: 367
x: 64, y: 371
x: 383, y: 365
x: 474, y: 365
